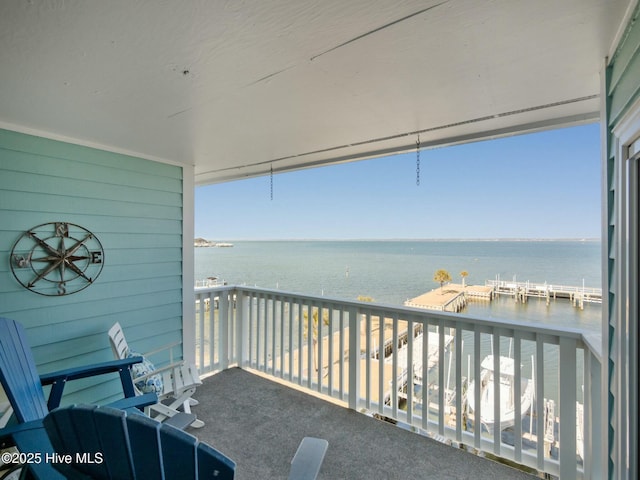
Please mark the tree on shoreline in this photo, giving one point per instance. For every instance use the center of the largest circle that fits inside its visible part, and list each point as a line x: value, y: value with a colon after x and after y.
x: 442, y: 276
x: 314, y: 330
x: 365, y: 298
x: 464, y: 274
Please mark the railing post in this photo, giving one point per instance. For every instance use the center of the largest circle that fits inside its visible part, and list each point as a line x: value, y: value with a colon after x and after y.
x: 223, y: 329
x: 199, y: 332
x: 567, y: 408
x: 242, y: 327
x: 594, y: 455
x: 354, y: 359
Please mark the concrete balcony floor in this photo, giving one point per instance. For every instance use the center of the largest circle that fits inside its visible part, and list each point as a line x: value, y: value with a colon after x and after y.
x: 259, y: 423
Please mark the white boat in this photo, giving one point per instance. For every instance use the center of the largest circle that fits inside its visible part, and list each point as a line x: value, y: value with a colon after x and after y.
x: 421, y: 371
x: 507, y: 393
x: 210, y: 282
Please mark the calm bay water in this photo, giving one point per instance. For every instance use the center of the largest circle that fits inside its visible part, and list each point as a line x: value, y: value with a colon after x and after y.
x: 393, y: 271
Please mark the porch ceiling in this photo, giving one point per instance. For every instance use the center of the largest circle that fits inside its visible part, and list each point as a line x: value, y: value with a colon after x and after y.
x: 238, y: 87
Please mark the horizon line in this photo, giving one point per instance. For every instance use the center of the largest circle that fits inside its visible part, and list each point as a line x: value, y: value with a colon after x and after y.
x: 364, y: 239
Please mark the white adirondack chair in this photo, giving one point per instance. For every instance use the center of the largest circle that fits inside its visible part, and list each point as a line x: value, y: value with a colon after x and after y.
x: 179, y: 380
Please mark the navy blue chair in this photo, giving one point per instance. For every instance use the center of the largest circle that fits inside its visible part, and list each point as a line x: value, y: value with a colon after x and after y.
x: 107, y: 443
x: 23, y: 387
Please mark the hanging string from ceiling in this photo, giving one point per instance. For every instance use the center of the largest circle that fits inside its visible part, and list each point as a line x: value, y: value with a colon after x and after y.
x: 271, y: 182
x: 418, y: 161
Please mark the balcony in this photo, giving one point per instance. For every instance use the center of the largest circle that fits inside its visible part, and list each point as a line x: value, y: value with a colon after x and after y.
x: 259, y: 423
x: 400, y: 360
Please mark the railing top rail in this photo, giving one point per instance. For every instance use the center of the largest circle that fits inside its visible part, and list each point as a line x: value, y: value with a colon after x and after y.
x: 591, y: 339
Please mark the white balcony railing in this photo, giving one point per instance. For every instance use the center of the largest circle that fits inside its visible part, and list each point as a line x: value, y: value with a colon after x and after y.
x: 423, y: 369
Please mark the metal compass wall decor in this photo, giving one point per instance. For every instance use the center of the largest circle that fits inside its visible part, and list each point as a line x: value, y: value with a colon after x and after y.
x: 57, y: 258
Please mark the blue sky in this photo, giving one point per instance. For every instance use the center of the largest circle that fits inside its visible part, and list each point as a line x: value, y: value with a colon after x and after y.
x: 542, y: 185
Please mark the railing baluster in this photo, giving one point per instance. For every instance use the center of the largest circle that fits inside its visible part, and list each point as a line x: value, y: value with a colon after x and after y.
x: 539, y: 371
x: 408, y: 368
x: 300, y: 342
x: 458, y: 379
x: 243, y: 325
x: 394, y: 369
x: 517, y: 395
x: 262, y: 337
x: 275, y: 302
x: 319, y: 346
x: 330, y: 352
x: 354, y: 358
x: 255, y: 327
x: 252, y: 337
x: 425, y: 375
x: 368, y: 361
x: 255, y: 302
x: 281, y: 322
x: 477, y: 386
x: 233, y: 313
x: 209, y: 319
x: 202, y: 336
x: 497, y: 414
x: 382, y: 356
x: 223, y: 323
x: 310, y: 349
x: 441, y: 367
x: 588, y: 427
x: 291, y: 337
x: 255, y: 319
x: 341, y: 350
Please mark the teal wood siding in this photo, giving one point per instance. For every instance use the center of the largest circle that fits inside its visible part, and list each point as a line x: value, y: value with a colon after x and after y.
x: 134, y: 207
x: 622, y: 83
x: 610, y: 300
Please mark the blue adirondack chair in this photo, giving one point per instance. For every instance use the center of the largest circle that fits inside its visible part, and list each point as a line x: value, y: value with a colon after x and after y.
x: 23, y: 387
x: 106, y: 443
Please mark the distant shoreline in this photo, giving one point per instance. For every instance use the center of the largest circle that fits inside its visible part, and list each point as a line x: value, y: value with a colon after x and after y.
x: 581, y: 240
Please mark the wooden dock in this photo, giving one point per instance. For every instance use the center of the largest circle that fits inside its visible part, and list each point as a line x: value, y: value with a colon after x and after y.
x: 522, y: 291
x: 451, y: 297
